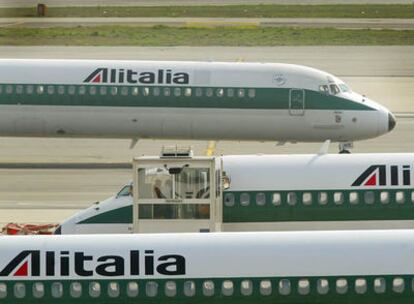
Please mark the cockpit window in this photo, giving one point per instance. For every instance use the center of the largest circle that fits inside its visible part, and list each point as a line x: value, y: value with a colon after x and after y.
x: 125, y: 191
x: 334, y: 89
x: 344, y: 87
x: 324, y: 89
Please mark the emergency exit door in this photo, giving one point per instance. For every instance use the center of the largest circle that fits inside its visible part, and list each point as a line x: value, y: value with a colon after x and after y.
x: 297, y: 102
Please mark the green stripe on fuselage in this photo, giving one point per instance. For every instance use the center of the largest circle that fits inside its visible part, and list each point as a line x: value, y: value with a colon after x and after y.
x: 300, y: 211
x: 315, y: 211
x: 369, y: 296
x: 264, y: 98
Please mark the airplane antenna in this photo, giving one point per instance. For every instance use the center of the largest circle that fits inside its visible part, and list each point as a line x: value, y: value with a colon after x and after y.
x: 325, y: 147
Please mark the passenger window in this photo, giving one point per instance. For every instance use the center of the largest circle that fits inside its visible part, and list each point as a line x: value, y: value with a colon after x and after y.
x: 265, y: 288
x: 114, y: 90
x: 9, y: 89
x: 170, y: 289
x: 71, y: 90
x: 322, y: 286
x: 398, y: 285
x: 82, y: 90
x: 245, y: 199
x: 208, y: 288
x: 92, y: 90
x: 276, y: 199
x: 145, y: 91
x: 240, y: 93
x: 284, y: 287
x: 156, y: 91
x: 220, y: 92
x: 303, y: 287
x: 61, y: 90
x: 124, y: 91
x: 227, y: 288
x: 167, y: 91
x: 40, y: 89
x: 1, y: 89
x: 38, y: 290
x: 338, y: 198
x: 412, y: 196
x: 400, y: 197
x: 50, y: 90
x: 19, y: 290
x: 379, y: 285
x: 360, y: 286
x: 230, y: 92
x: 260, y: 199
x: 151, y: 289
x: 291, y: 198
x: 75, y: 290
x: 132, y: 289
x: 251, y: 93
x: 307, y: 198
x: 19, y: 89
x: 189, y: 289
x: 209, y: 92
x: 246, y: 288
x: 322, y: 198
x: 29, y: 89
x: 341, y: 286
x: 187, y: 92
x: 369, y: 197
x: 229, y: 200
x: 57, y: 290
x: 3, y: 290
x: 103, y: 90
x: 94, y: 289
x: 384, y: 197
x: 354, y: 198
x: 177, y: 92
x: 113, y: 290
x: 135, y: 91
x: 199, y: 92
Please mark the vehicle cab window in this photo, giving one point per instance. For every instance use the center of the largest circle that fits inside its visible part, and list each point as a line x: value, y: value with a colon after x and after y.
x: 168, y: 189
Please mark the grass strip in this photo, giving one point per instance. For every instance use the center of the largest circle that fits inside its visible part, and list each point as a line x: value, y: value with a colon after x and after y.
x: 199, y: 36
x: 252, y: 11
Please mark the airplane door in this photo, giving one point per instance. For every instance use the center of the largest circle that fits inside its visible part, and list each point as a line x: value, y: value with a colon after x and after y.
x: 297, y: 102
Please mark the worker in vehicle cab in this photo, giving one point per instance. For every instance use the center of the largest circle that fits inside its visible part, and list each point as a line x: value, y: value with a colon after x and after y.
x: 157, y: 189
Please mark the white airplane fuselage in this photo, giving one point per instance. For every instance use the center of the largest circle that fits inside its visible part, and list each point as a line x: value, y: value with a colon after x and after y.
x: 182, y: 100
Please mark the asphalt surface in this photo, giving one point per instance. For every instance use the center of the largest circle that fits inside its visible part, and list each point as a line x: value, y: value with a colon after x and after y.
x: 17, y: 3
x: 386, y: 74
x: 348, y: 23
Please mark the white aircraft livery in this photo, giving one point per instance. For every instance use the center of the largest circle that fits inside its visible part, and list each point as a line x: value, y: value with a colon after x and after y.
x: 262, y: 267
x: 183, y: 100
x: 263, y: 192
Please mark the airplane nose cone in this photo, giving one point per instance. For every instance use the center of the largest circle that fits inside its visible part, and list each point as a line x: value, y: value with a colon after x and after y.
x: 391, y: 122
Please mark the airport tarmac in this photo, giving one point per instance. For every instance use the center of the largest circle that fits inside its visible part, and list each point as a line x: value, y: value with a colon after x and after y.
x: 386, y: 74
